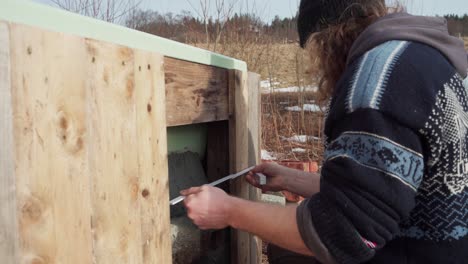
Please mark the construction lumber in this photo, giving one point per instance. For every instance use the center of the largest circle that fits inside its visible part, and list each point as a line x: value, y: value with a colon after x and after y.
x: 83, y: 157
x: 152, y: 157
x: 84, y: 171
x: 254, y: 150
x: 244, y: 151
x: 195, y: 93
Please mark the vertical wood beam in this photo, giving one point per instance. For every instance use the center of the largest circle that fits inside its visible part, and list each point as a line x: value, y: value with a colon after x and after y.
x: 244, y: 143
x: 254, y: 137
x: 8, y: 221
x: 239, y: 156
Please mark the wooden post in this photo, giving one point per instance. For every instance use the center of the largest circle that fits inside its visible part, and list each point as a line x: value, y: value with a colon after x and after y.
x: 254, y: 126
x: 244, y: 152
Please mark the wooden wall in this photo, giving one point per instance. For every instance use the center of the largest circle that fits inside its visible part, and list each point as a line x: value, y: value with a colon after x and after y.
x: 83, y: 170
x: 83, y: 156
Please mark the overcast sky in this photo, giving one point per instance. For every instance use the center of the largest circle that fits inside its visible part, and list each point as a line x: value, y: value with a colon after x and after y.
x: 267, y: 9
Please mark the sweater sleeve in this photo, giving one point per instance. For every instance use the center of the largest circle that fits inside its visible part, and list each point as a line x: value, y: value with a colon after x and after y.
x: 372, y: 169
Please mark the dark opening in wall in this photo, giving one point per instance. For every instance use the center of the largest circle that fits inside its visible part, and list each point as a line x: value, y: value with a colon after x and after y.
x: 198, y: 154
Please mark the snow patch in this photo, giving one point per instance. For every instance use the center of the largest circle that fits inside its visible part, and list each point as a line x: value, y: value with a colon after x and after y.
x: 299, y: 150
x: 272, y: 87
x: 267, y: 86
x: 267, y: 155
x: 301, y: 138
x: 306, y: 108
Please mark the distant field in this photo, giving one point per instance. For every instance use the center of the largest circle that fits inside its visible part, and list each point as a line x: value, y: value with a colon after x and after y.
x: 285, y: 65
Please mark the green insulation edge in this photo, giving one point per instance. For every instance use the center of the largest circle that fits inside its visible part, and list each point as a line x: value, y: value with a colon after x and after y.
x: 187, y: 138
x: 57, y: 20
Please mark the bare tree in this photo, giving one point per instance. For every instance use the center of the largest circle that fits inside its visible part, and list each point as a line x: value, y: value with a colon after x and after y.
x: 113, y: 11
x: 220, y: 11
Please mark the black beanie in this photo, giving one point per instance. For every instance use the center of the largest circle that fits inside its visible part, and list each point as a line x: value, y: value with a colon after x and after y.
x: 316, y: 15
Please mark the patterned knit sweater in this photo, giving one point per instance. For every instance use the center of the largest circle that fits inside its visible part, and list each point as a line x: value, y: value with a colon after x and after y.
x: 395, y: 175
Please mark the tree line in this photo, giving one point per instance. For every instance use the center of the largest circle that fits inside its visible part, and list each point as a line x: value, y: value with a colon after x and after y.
x: 457, y: 25
x: 187, y: 28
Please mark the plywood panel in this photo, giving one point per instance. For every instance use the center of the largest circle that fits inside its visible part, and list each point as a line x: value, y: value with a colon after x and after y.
x: 8, y: 220
x: 152, y: 157
x: 51, y: 143
x: 195, y: 93
x: 113, y: 158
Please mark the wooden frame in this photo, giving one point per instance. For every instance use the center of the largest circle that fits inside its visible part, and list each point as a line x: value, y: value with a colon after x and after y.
x: 83, y: 163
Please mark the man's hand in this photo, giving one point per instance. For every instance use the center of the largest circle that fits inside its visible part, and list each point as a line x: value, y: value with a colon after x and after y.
x: 277, y: 177
x: 208, y: 207
x: 280, y: 178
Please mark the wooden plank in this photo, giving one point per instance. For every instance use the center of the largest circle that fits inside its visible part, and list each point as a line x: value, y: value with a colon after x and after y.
x: 238, y: 148
x: 152, y: 157
x: 51, y: 144
x: 8, y: 221
x: 254, y: 127
x: 116, y: 219
x: 195, y: 93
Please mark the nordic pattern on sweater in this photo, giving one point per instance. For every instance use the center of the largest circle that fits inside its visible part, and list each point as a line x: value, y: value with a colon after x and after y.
x: 441, y: 212
x: 396, y: 160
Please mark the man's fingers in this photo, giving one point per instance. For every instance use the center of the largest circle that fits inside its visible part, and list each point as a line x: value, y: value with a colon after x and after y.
x: 259, y: 168
x: 252, y: 179
x: 191, y: 191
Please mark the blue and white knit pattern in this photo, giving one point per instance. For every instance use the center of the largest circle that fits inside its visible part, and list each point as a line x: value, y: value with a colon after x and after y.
x: 373, y: 72
x: 380, y: 154
x: 441, y: 211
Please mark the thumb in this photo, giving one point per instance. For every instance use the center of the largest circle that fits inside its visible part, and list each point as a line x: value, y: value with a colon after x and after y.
x: 259, y: 168
x: 191, y: 191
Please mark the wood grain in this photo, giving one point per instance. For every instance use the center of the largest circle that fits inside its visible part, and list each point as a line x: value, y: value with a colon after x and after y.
x: 113, y: 158
x: 83, y: 161
x: 8, y: 221
x: 238, y: 147
x: 195, y: 93
x: 152, y: 157
x: 254, y: 137
x: 51, y: 143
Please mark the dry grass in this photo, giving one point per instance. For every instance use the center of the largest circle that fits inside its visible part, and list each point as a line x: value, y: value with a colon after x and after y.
x: 285, y: 65
x: 278, y: 125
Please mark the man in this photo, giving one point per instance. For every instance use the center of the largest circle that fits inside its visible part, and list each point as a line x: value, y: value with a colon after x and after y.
x: 392, y: 188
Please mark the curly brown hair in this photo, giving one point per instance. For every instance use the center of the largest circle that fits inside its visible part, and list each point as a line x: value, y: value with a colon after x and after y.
x: 329, y: 48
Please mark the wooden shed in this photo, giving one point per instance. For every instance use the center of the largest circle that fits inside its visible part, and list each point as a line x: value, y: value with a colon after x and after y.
x: 86, y: 110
